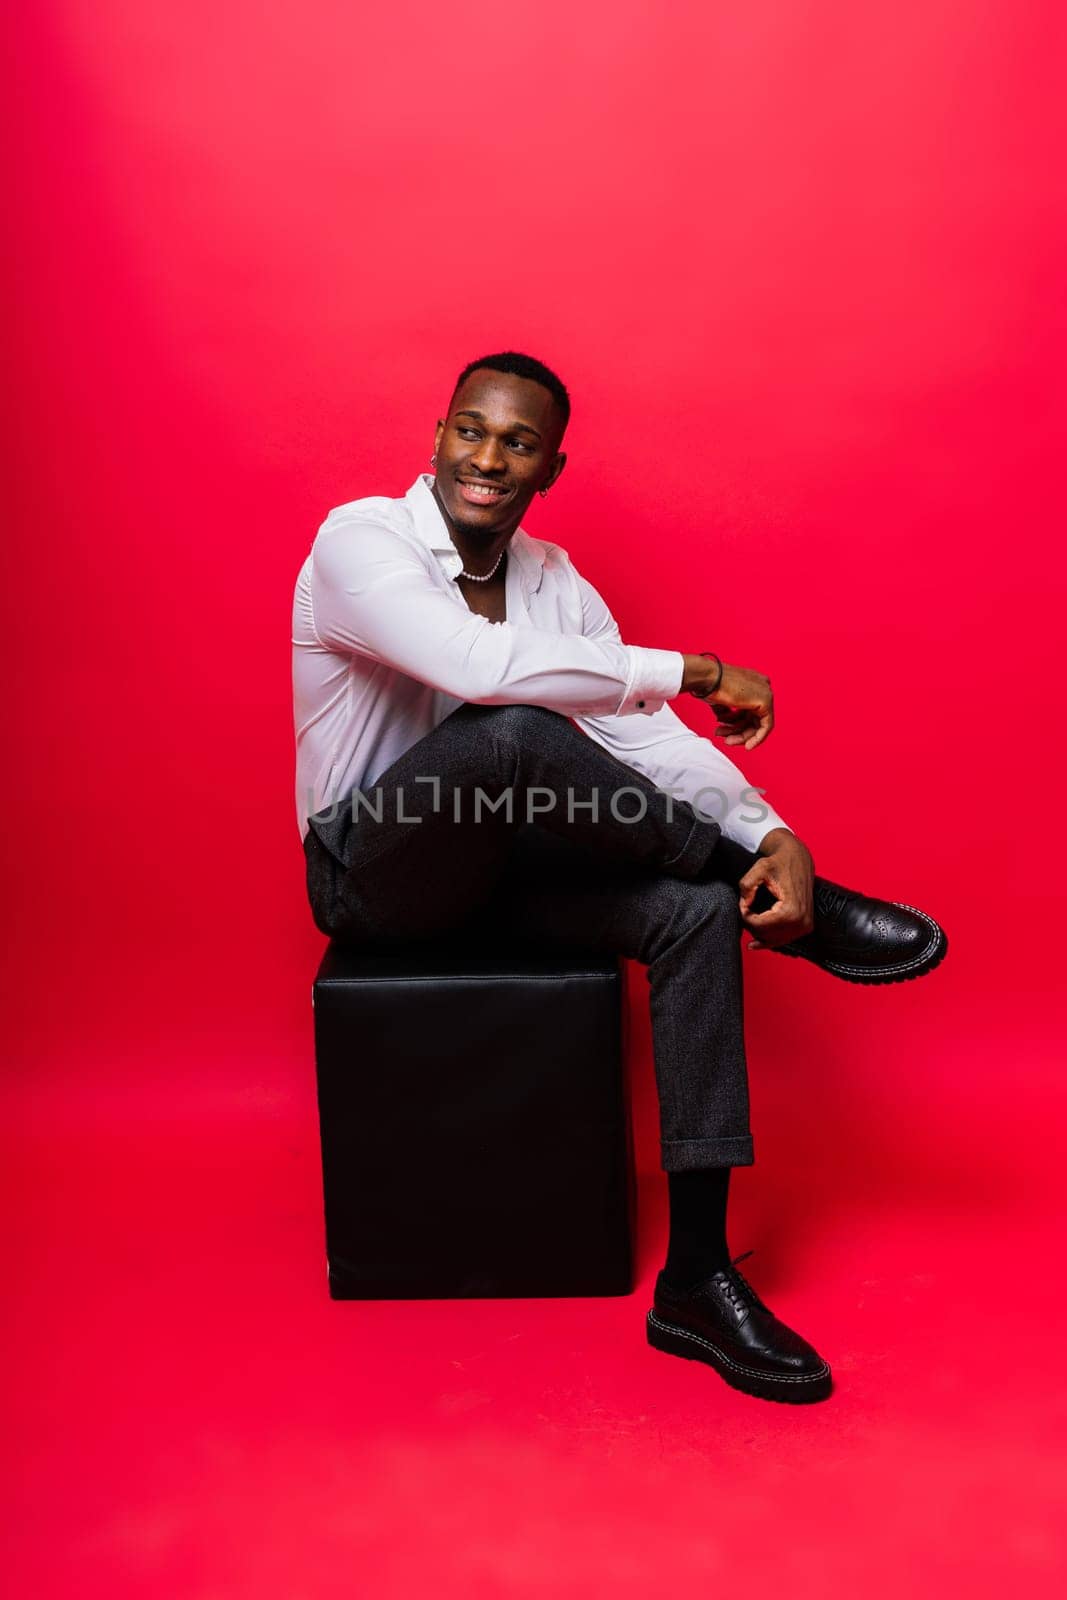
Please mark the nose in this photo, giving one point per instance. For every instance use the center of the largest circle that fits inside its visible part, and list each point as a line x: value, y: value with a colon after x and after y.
x: 487, y: 458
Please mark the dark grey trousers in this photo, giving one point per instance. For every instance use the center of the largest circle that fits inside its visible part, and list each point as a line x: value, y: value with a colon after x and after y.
x: 509, y: 818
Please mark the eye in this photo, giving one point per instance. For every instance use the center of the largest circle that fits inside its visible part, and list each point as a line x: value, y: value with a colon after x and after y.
x: 468, y: 433
x: 519, y: 444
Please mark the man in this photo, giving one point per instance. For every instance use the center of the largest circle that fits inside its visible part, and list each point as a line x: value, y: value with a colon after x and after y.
x: 475, y: 741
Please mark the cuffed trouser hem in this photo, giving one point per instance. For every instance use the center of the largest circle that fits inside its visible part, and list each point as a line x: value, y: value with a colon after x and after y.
x: 684, y: 1155
x: 692, y: 860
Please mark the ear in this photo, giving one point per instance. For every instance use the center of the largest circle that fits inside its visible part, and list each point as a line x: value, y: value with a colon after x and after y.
x: 557, y: 467
x: 438, y: 434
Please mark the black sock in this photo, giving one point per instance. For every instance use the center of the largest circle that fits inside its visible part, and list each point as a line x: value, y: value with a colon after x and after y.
x: 697, y: 1245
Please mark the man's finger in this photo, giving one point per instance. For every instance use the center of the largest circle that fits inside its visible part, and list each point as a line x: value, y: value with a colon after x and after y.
x: 781, y: 911
x: 748, y: 886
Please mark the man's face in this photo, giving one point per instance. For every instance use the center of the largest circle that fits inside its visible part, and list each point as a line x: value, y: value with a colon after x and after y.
x: 496, y: 448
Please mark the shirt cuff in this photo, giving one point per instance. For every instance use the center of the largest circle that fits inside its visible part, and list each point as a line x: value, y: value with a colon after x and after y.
x: 655, y: 676
x: 749, y: 823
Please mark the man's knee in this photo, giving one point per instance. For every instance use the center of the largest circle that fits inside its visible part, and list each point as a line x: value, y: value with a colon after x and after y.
x: 513, y: 727
x: 513, y: 718
x: 687, y: 910
x: 713, y: 902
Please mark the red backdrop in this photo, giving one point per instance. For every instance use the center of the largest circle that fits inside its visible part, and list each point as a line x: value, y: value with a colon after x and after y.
x: 801, y: 266
x: 798, y: 265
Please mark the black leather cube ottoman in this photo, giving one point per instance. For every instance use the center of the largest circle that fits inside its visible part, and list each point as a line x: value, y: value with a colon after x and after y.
x: 474, y: 1112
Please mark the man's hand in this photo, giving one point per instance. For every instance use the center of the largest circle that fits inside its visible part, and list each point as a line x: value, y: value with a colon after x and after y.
x: 786, y: 869
x: 743, y: 701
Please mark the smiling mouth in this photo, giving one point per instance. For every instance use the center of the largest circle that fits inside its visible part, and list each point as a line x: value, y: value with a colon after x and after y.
x: 481, y: 494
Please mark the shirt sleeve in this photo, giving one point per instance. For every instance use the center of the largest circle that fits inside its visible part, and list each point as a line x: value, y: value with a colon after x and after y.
x: 682, y: 763
x: 371, y: 595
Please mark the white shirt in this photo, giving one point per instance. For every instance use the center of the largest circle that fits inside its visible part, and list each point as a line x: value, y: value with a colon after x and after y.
x: 385, y: 647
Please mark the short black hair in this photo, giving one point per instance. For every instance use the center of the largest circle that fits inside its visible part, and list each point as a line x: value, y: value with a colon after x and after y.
x: 521, y: 366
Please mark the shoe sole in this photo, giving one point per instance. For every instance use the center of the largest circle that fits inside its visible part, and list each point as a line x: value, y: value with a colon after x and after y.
x: 793, y: 1390
x: 903, y: 972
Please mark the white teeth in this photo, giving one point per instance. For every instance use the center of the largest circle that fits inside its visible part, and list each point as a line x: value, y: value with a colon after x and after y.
x: 485, y: 493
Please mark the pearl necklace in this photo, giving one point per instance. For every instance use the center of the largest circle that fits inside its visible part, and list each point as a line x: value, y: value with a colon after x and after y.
x: 485, y: 576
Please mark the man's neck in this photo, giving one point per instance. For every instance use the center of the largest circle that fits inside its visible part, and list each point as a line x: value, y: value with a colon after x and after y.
x: 478, y: 551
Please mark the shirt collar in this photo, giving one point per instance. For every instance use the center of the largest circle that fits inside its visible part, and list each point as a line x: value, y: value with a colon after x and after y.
x: 528, y: 554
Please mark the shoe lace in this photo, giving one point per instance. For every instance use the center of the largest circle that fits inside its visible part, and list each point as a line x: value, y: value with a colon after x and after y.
x: 830, y: 900
x: 751, y: 1297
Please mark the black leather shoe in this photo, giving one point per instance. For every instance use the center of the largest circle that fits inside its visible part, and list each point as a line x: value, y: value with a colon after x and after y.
x: 724, y: 1322
x: 868, y: 941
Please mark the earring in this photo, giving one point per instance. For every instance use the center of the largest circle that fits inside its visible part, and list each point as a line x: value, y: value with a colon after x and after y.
x: 433, y: 459
x: 542, y: 493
